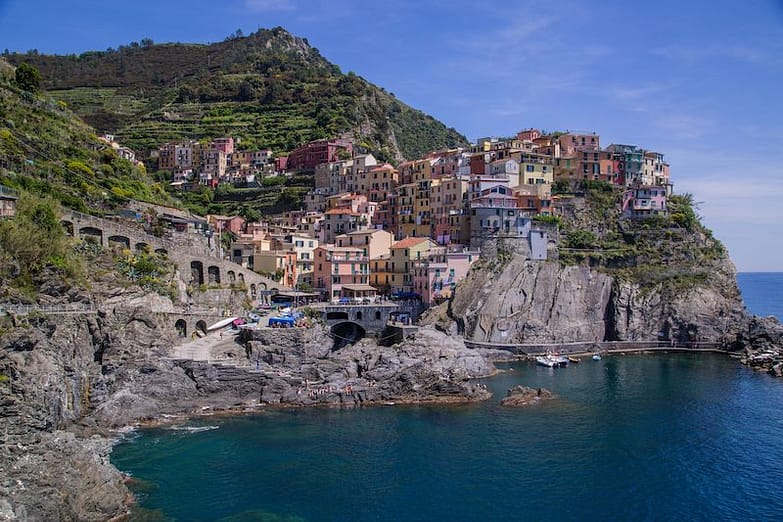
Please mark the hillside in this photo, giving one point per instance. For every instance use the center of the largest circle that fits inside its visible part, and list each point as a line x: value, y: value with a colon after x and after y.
x: 47, y: 151
x: 270, y: 89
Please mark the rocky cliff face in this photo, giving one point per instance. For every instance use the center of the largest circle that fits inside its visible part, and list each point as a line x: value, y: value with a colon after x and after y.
x: 531, y: 302
x: 69, y: 380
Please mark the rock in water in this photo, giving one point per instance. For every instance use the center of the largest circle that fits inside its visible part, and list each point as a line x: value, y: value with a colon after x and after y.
x: 520, y: 396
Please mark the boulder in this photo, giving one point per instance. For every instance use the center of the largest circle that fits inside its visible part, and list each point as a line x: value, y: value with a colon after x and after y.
x: 521, y: 396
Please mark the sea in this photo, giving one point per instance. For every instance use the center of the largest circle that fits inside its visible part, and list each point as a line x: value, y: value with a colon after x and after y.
x: 638, y: 437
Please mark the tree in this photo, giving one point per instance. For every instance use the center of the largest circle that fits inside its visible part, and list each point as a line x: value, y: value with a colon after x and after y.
x: 27, y: 78
x: 250, y: 214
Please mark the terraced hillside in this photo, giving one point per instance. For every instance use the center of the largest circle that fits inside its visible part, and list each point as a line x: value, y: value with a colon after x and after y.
x: 46, y: 150
x: 270, y: 89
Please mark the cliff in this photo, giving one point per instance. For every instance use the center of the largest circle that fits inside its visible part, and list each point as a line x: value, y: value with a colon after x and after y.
x: 609, y: 279
x: 531, y: 302
x: 69, y: 381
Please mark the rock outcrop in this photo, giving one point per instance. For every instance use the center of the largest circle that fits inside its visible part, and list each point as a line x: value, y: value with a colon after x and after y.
x: 530, y: 302
x: 69, y: 380
x: 521, y: 396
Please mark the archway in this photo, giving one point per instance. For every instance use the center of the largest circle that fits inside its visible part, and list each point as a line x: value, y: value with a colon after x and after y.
x: 359, y: 316
x: 142, y: 247
x: 377, y: 315
x: 91, y: 234
x: 346, y: 333
x: 119, y: 241
x: 241, y: 277
x: 201, y: 325
x: 197, y: 272
x: 214, y: 274
x: 336, y: 316
x: 253, y: 291
x: 182, y: 327
x: 232, y: 276
x: 68, y: 226
x: 161, y: 251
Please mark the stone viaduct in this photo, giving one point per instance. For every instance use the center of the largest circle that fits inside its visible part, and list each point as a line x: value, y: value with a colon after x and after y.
x: 195, y: 261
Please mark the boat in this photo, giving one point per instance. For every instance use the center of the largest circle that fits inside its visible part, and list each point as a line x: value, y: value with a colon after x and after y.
x: 552, y: 361
x: 596, y: 356
x: 220, y: 324
x: 545, y: 360
x: 574, y: 360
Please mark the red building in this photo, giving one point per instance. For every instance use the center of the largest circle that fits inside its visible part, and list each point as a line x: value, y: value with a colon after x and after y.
x: 317, y: 152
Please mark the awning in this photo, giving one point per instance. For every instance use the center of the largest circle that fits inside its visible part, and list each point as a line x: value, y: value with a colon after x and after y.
x: 360, y: 288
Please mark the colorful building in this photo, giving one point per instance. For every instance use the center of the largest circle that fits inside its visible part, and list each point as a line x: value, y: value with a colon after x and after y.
x: 339, y: 266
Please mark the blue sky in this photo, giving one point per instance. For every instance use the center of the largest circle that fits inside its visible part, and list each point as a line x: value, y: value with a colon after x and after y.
x: 698, y: 81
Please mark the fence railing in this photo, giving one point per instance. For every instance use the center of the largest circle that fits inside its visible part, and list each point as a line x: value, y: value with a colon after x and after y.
x: 70, y: 308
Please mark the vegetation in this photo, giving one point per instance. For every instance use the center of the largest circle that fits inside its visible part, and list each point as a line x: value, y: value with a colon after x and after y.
x: 33, y: 242
x: 50, y: 153
x: 671, y: 251
x: 269, y: 89
x: 28, y: 78
x: 148, y: 270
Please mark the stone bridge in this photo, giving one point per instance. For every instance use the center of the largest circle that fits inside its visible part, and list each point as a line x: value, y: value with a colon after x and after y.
x: 370, y: 318
x: 194, y: 260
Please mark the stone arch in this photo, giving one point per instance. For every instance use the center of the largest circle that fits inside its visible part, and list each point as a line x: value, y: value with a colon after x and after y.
x: 162, y: 251
x: 241, y: 277
x: 182, y: 327
x: 232, y: 276
x: 345, y: 333
x: 262, y: 285
x: 377, y: 315
x: 201, y: 325
x: 197, y: 272
x: 119, y: 240
x: 91, y: 234
x: 336, y: 316
x: 214, y: 274
x: 359, y: 315
x: 142, y: 247
x: 68, y: 226
x: 253, y: 291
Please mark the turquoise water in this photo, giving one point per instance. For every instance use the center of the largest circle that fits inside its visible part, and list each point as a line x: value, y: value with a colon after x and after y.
x: 641, y: 437
x: 664, y: 437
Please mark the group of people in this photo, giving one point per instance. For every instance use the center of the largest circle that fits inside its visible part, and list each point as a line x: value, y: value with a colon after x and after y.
x: 323, y: 390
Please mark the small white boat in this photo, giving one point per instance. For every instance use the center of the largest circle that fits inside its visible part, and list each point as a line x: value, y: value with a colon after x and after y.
x: 546, y: 360
x: 220, y: 324
x: 596, y: 356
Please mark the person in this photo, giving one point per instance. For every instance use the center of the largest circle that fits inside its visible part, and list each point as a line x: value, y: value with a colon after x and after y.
x: 539, y: 392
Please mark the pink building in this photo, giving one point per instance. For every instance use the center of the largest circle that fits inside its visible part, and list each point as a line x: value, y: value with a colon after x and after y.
x: 317, y: 152
x: 529, y: 135
x: 225, y: 145
x: 336, y: 267
x: 233, y: 224
x: 643, y: 202
x: 436, y: 277
x: 573, y: 143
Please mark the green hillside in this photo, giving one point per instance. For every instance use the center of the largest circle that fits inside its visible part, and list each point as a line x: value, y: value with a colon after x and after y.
x: 270, y: 89
x: 46, y: 150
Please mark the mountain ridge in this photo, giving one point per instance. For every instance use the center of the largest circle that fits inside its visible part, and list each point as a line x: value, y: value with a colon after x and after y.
x: 269, y: 89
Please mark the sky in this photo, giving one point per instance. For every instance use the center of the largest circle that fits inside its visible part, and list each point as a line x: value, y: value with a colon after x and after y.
x: 701, y: 82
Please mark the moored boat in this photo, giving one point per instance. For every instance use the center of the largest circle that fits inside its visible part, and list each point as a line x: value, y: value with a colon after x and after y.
x: 596, y: 356
x: 545, y: 360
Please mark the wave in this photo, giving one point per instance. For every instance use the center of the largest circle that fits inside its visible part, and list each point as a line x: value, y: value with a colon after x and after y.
x: 192, y: 429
